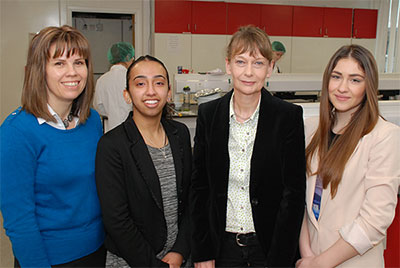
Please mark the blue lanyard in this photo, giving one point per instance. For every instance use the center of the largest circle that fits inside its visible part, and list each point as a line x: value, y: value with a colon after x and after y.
x: 316, y: 207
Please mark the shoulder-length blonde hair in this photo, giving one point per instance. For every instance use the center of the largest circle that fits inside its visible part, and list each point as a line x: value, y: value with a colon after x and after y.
x: 34, y: 92
x: 333, y: 159
x: 252, y: 39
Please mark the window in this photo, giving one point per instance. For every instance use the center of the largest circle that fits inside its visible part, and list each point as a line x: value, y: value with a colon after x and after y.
x: 392, y: 63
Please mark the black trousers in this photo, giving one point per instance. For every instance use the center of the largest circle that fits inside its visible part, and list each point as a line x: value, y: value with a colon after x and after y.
x: 94, y: 260
x: 233, y: 255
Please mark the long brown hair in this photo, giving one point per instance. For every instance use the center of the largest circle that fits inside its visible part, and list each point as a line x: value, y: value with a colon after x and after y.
x: 34, y: 92
x: 333, y: 159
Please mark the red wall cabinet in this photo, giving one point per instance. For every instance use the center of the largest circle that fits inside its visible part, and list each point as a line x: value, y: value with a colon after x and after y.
x: 173, y: 16
x: 365, y: 23
x: 319, y: 21
x: 308, y: 21
x: 337, y: 22
x: 204, y: 17
x: 242, y: 15
x: 208, y: 17
x: 277, y: 20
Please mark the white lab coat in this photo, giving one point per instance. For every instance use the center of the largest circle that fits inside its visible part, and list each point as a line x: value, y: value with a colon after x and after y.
x: 109, y: 100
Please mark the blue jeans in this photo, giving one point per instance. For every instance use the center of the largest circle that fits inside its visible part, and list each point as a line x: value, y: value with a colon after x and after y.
x: 233, y: 255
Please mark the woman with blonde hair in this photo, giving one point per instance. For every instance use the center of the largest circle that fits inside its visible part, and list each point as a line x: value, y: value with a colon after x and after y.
x: 248, y: 183
x: 48, y: 193
x: 353, y: 168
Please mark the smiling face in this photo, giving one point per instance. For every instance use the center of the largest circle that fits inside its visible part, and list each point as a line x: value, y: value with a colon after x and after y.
x: 346, y: 85
x: 148, y: 89
x: 248, y: 72
x: 66, y: 78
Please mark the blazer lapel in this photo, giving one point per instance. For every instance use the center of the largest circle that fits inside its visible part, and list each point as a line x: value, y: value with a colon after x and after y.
x: 326, y: 193
x: 177, y: 151
x: 262, y: 134
x: 219, y: 153
x: 143, y: 161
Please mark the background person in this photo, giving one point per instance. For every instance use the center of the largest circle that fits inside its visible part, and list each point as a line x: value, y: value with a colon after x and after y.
x: 143, y: 170
x: 279, y: 50
x: 248, y: 184
x: 353, y: 169
x: 48, y: 193
x: 109, y: 100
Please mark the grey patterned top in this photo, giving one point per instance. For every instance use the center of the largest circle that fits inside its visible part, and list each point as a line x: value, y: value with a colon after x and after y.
x: 164, y: 164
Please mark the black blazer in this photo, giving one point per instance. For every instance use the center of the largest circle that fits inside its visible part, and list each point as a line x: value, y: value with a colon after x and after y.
x: 130, y: 194
x: 277, y: 179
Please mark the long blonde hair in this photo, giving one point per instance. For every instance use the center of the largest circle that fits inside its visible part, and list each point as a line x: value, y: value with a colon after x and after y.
x: 333, y: 159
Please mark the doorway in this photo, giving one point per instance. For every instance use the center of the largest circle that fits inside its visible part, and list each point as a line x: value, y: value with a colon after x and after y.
x: 103, y: 30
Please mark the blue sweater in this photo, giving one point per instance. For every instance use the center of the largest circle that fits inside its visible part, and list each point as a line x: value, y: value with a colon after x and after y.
x: 48, y: 193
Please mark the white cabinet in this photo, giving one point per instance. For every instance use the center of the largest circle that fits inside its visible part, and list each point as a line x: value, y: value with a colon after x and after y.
x: 311, y: 54
x: 173, y: 50
x: 208, y: 52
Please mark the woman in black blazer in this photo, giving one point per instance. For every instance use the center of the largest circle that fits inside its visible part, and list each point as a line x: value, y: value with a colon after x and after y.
x: 143, y: 170
x: 248, y: 183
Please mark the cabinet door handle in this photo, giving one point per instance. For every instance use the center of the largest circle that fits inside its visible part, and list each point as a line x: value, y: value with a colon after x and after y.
x: 355, y: 34
x: 188, y: 27
x: 320, y: 31
x: 195, y: 27
x: 326, y: 31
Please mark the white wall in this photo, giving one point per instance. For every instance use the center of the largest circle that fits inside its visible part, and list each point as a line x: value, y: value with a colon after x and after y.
x: 15, y: 40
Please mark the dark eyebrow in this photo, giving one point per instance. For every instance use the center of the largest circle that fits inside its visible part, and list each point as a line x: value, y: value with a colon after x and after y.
x: 351, y: 75
x: 61, y: 59
x: 143, y: 76
x: 358, y: 75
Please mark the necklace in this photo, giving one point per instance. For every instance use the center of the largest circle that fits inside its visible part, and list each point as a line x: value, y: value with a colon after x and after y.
x: 163, y: 148
x: 67, y: 120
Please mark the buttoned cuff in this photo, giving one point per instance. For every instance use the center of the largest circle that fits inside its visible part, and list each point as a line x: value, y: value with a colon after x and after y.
x: 356, y: 236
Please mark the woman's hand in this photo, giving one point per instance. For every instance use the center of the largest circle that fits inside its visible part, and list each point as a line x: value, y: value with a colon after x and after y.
x: 308, y: 262
x: 205, y: 264
x: 174, y: 259
x: 307, y: 252
x: 338, y: 253
x: 304, y: 241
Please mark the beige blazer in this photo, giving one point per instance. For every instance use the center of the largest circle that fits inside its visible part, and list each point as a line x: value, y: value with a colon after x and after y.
x: 365, y: 203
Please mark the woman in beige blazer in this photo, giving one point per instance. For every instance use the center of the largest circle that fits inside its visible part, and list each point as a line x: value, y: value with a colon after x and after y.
x: 353, y: 168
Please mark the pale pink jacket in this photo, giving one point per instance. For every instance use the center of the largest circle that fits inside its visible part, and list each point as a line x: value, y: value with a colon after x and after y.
x: 364, y: 205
